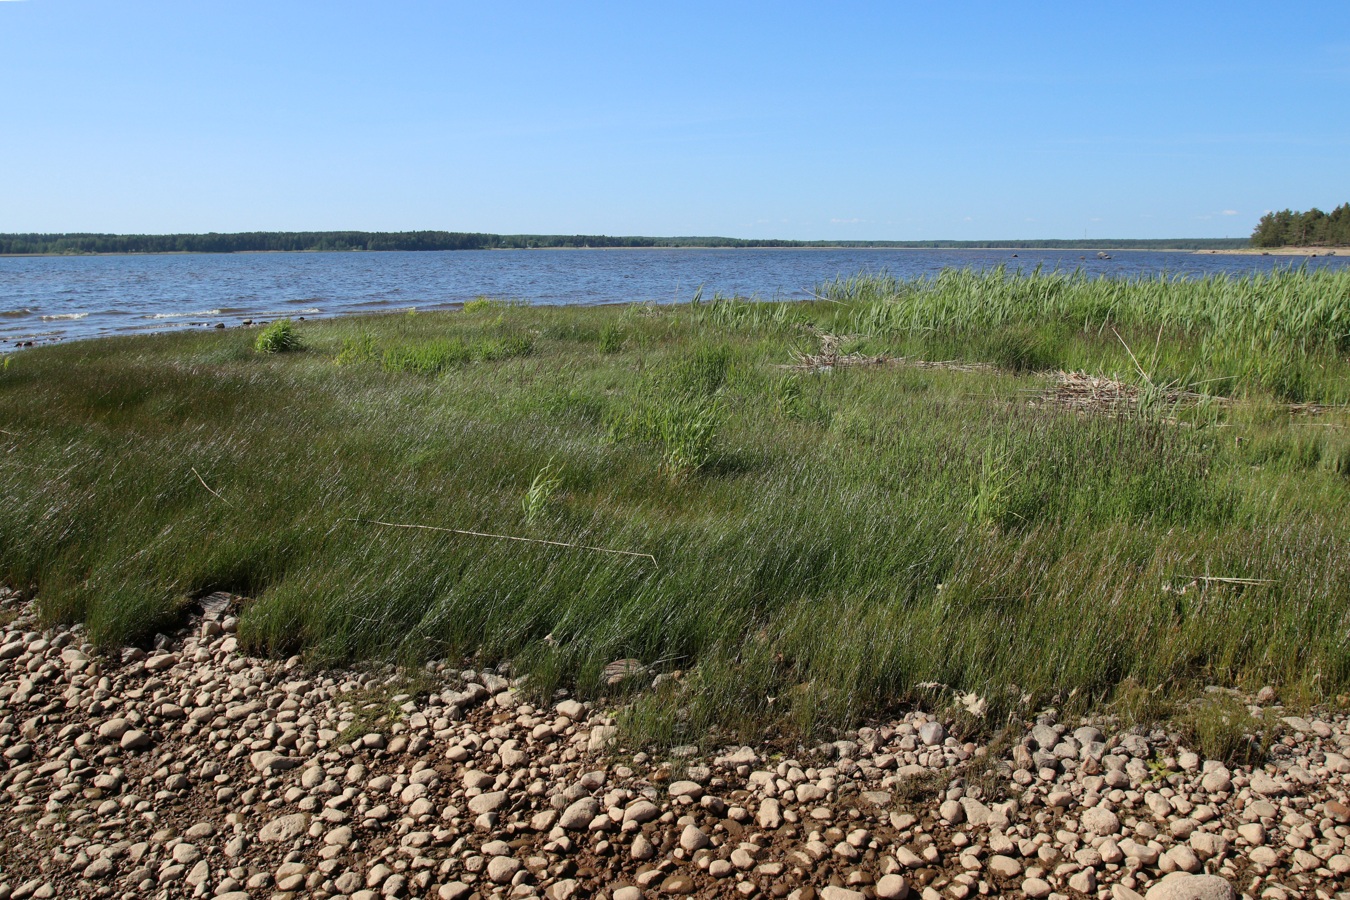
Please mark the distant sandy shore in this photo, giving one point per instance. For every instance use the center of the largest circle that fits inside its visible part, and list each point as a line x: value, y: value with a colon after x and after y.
x: 1281, y: 251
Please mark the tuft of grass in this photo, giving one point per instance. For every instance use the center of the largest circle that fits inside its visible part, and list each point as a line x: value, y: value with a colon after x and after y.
x: 430, y: 358
x: 540, y: 494
x: 357, y: 350
x: 280, y: 336
x: 1221, y: 727
x: 611, y: 338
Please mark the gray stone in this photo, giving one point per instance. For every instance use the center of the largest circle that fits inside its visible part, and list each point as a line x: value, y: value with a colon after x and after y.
x: 486, y: 803
x: 693, y: 839
x: 135, y: 739
x: 113, y: 729
x: 641, y: 812
x: 284, y: 829
x: 1265, y: 785
x: 1036, y: 888
x: 691, y: 789
x: 983, y: 816
x: 1184, y: 886
x: 1101, y: 822
x: 501, y: 869
x: 833, y: 892
x: 577, y: 816
x: 932, y: 733
x: 892, y: 887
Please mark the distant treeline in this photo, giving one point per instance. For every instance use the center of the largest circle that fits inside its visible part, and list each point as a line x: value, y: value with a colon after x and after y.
x: 1313, y: 228
x: 319, y: 241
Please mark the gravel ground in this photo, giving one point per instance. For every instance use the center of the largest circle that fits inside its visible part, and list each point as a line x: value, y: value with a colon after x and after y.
x: 194, y: 771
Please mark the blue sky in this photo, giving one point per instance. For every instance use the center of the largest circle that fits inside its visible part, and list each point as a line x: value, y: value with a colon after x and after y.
x: 795, y: 120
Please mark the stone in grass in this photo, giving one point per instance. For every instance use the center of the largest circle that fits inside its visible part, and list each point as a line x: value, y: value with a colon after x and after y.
x: 932, y: 733
x: 621, y: 670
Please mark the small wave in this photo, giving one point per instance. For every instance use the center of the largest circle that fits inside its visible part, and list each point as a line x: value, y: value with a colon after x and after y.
x: 64, y: 316
x: 278, y: 313
x: 183, y: 315
x: 15, y: 313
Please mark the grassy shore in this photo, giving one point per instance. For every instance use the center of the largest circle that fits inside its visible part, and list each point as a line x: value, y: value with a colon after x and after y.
x: 813, y: 529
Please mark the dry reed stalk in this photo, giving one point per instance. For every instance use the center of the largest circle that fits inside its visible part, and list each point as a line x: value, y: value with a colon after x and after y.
x: 1078, y: 390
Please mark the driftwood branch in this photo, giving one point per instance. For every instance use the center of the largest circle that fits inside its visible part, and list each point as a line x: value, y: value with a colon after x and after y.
x: 1220, y: 580
x: 506, y: 537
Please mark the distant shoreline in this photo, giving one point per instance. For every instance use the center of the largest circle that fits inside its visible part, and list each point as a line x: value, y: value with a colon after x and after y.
x: 90, y: 244
x: 1279, y: 251
x: 822, y: 247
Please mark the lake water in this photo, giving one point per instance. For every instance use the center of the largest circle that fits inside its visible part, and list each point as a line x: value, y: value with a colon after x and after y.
x: 46, y: 299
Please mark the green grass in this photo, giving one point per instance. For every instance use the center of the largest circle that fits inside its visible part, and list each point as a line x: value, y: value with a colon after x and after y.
x: 826, y: 540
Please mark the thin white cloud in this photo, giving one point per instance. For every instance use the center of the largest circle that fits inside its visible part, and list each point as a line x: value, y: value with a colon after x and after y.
x: 1230, y: 212
x: 845, y: 221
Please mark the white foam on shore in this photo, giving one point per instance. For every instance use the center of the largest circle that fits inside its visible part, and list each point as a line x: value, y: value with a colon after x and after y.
x: 183, y: 315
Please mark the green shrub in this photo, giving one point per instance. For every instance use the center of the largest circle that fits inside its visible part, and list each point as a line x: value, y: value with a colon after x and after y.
x: 279, y: 337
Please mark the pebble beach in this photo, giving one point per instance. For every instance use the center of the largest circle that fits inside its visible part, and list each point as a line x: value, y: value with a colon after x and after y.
x: 192, y: 770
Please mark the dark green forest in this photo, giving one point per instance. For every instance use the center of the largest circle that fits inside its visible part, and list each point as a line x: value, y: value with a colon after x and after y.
x: 328, y: 241
x: 1313, y: 228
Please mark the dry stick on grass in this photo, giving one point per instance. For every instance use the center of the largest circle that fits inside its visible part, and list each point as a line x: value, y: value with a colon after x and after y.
x: 208, y: 487
x: 1221, y: 580
x: 1131, y: 352
x: 506, y: 537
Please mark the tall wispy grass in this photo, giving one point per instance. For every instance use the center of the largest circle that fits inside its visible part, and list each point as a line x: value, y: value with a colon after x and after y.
x: 832, y: 539
x: 1270, y: 331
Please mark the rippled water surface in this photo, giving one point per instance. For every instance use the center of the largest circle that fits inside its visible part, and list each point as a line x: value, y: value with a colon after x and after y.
x: 61, y: 298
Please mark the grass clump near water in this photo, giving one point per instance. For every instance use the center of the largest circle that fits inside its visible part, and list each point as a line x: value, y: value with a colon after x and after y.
x: 279, y: 337
x: 829, y: 534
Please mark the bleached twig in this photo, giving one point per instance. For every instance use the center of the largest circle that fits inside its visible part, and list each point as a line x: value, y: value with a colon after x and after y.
x: 208, y: 487
x: 506, y: 537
